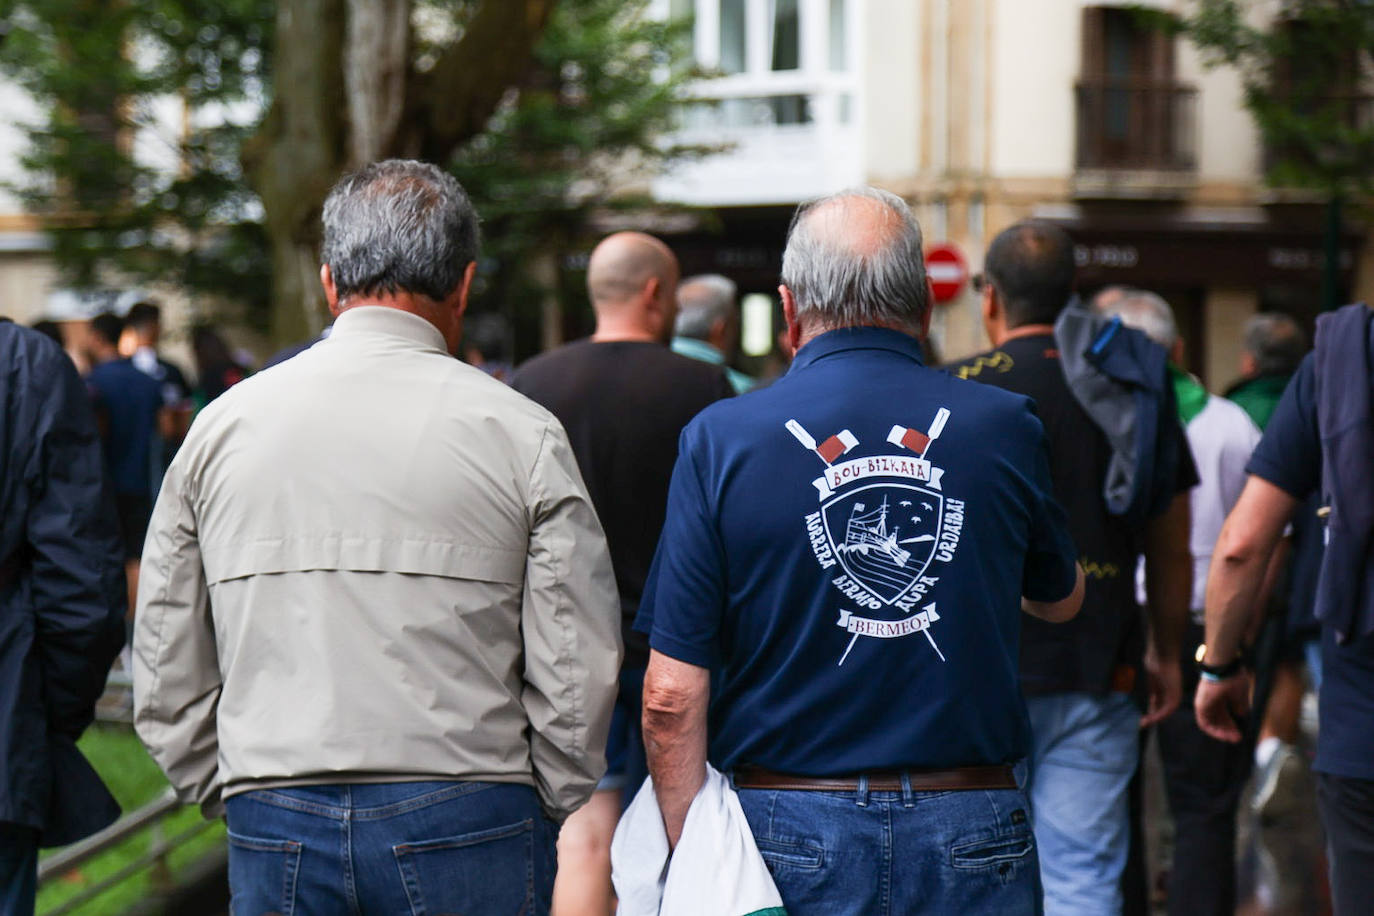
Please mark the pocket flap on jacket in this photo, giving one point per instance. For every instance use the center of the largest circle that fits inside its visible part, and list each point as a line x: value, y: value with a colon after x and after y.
x: 363, y: 553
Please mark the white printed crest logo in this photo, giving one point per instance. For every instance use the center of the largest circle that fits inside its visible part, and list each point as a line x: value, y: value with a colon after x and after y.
x: 882, y: 522
x: 884, y: 535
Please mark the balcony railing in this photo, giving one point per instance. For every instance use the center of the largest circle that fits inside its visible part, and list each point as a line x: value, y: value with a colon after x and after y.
x: 1136, y: 125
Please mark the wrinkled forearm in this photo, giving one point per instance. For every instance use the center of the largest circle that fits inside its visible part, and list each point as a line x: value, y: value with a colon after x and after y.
x: 1239, y: 565
x: 675, y: 700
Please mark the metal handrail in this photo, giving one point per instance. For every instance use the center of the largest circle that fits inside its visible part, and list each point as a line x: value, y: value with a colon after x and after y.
x: 157, y: 853
x: 81, y: 852
x: 76, y: 855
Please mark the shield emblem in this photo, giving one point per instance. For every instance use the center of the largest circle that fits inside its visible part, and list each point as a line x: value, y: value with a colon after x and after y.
x: 884, y: 535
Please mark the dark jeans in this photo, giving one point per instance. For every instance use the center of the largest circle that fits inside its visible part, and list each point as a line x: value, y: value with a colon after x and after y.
x: 390, y: 848
x: 1347, y: 810
x: 18, y: 869
x: 864, y: 853
x: 1204, y: 779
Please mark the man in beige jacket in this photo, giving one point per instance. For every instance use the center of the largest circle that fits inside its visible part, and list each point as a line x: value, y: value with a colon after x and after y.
x: 377, y: 615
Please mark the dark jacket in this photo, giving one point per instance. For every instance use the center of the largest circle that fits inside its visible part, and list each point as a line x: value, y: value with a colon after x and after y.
x: 1345, y: 419
x: 1120, y: 377
x: 62, y: 593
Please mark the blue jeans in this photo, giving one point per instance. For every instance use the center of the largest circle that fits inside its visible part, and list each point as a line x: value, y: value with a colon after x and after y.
x: 18, y: 869
x: 883, y: 853
x: 1084, y: 750
x: 390, y: 848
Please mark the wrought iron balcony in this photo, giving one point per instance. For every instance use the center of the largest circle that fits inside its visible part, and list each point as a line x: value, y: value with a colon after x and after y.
x: 1136, y: 125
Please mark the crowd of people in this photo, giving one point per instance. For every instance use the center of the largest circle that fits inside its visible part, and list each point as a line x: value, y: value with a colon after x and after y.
x: 625, y: 627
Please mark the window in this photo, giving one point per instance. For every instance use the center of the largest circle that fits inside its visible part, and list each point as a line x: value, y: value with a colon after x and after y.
x: 733, y: 35
x: 786, y: 52
x: 839, y: 37
x: 1132, y: 114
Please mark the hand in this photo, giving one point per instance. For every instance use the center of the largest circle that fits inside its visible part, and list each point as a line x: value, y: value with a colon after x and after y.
x: 1218, y: 703
x: 1165, y: 682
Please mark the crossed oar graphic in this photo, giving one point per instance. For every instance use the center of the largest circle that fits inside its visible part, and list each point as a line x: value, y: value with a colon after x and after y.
x: 843, y: 441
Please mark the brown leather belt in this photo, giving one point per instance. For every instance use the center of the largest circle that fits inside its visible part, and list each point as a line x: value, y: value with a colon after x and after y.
x: 982, y: 777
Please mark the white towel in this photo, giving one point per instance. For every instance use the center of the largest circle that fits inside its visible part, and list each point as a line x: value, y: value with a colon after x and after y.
x: 716, y: 869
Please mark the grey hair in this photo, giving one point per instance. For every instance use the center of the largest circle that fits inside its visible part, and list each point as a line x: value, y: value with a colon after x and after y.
x: 399, y: 225
x: 843, y: 283
x: 1145, y: 311
x: 702, y: 301
x: 1276, y: 342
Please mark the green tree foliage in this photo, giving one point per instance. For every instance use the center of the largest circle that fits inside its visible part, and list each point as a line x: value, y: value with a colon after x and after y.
x: 1301, y: 71
x: 582, y: 133
x: 225, y: 206
x: 99, y: 69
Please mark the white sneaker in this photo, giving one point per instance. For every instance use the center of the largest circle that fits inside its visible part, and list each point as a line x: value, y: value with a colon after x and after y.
x: 1278, y: 786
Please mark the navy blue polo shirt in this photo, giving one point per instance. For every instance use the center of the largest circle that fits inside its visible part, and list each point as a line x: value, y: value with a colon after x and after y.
x: 846, y: 550
x: 129, y: 401
x: 1290, y: 457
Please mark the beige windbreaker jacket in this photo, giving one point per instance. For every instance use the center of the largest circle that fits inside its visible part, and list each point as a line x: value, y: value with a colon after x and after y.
x: 374, y: 563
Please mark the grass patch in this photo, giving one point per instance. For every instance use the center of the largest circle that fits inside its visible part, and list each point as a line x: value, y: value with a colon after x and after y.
x: 134, y: 780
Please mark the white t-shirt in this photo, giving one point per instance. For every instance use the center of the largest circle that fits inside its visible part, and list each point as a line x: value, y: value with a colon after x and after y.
x: 1221, y: 437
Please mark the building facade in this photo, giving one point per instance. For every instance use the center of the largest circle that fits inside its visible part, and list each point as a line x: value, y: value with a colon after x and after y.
x: 983, y: 112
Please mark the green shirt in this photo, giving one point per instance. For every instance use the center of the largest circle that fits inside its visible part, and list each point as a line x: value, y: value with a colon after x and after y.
x: 1260, y: 395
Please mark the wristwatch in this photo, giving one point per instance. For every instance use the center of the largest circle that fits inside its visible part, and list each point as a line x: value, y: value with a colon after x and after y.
x: 1219, y: 672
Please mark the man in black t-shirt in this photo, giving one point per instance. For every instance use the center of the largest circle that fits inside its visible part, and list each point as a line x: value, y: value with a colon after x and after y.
x: 1080, y: 678
x: 623, y: 398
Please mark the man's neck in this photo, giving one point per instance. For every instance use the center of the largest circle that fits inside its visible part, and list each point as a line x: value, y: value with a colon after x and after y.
x: 810, y: 332
x: 1024, y: 330
x: 623, y: 333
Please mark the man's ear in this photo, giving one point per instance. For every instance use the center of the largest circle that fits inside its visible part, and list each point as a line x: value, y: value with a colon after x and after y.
x: 789, y: 314
x: 465, y: 287
x: 992, y: 306
x: 331, y: 292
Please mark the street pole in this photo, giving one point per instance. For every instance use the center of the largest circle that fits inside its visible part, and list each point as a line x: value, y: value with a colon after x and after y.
x: 1331, y: 262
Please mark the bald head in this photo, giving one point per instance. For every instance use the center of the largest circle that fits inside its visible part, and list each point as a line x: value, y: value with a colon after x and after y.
x: 632, y: 281
x: 854, y: 259
x: 623, y: 264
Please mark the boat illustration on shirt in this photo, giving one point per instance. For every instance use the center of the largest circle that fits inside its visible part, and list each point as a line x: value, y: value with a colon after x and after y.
x: 874, y: 552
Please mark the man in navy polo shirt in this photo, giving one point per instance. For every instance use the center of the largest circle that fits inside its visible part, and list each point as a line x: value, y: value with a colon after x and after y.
x: 1319, y: 440
x: 842, y: 573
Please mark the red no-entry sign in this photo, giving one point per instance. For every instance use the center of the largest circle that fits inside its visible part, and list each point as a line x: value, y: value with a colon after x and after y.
x: 947, y: 271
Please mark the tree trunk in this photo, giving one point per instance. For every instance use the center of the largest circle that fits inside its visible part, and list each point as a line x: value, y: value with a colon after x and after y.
x: 344, y: 94
x: 375, y: 68
x: 296, y: 155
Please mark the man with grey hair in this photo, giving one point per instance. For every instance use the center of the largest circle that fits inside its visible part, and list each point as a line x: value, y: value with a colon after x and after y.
x: 1273, y: 346
x: 1203, y: 777
x: 377, y: 620
x: 841, y: 577
x: 707, y: 326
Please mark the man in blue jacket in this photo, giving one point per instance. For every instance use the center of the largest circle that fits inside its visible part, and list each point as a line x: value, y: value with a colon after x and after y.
x: 1319, y: 440
x: 61, y: 607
